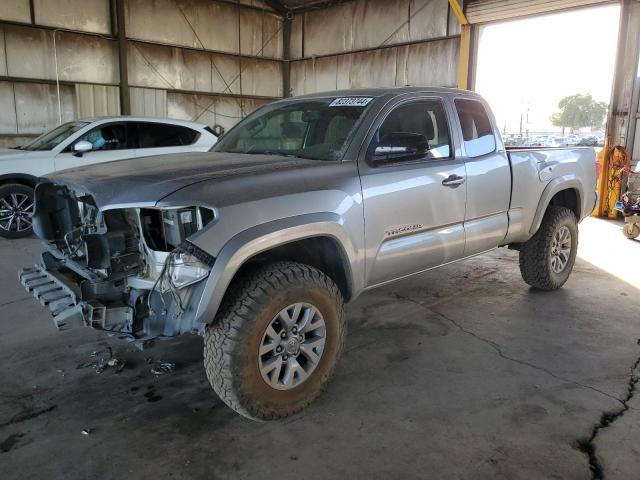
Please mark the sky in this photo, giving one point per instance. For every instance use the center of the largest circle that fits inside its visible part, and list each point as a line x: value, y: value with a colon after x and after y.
x: 533, y: 63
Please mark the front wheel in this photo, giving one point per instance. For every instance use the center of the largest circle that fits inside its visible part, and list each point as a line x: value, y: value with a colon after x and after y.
x: 547, y: 258
x: 275, y: 341
x: 16, y: 210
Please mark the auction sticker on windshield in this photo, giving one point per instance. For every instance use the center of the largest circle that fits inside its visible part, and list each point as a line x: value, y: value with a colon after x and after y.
x: 350, y: 102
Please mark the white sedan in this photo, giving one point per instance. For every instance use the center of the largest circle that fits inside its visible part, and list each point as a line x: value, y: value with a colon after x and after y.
x: 84, y: 142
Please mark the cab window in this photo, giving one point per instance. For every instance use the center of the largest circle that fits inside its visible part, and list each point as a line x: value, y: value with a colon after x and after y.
x: 477, y: 131
x: 424, y: 119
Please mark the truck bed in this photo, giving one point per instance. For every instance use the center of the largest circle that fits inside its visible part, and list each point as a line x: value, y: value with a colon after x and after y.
x: 550, y: 166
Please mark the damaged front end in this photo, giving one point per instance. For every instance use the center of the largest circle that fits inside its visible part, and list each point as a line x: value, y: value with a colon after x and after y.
x: 129, y: 271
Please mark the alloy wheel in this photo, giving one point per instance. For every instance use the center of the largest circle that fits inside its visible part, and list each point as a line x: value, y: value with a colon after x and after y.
x: 292, y: 346
x: 16, y: 210
x: 560, y: 249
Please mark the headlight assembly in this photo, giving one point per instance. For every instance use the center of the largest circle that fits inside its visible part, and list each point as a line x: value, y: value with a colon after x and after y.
x: 165, y: 229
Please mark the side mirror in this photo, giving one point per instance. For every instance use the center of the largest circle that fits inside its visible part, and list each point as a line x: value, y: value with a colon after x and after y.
x: 82, y: 147
x: 399, y: 146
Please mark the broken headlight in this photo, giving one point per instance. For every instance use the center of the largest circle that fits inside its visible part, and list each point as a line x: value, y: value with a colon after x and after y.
x: 166, y: 229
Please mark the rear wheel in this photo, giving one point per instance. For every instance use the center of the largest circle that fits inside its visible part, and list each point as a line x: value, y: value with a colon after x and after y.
x: 276, y: 340
x: 631, y: 230
x: 16, y: 210
x: 547, y: 258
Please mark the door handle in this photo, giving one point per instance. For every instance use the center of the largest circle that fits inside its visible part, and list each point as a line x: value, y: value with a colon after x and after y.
x: 453, y: 181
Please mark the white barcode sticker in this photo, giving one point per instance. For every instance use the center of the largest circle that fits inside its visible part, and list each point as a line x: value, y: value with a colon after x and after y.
x: 350, y: 102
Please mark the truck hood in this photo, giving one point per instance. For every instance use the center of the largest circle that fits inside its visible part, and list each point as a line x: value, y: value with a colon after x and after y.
x: 146, y: 181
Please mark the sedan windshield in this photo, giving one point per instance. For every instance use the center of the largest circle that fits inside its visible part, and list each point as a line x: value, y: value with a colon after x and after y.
x: 53, y: 138
x: 318, y: 129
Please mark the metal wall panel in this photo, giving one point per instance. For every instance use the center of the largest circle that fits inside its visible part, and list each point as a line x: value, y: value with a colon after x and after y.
x: 454, y: 24
x: 3, y: 54
x: 479, y: 11
x: 296, y: 37
x: 15, y: 11
x: 37, y: 106
x: 315, y: 75
x: 329, y: 31
x: 371, y: 24
x: 260, y: 34
x: 255, y: 4
x: 378, y: 23
x: 205, y: 24
x: 8, y: 121
x: 97, y: 100
x: 81, y: 58
x: 83, y: 15
x: 430, y: 64
x: 175, y: 68
x: 261, y: 77
x: 428, y: 19
x: 368, y: 69
x: 195, y: 23
x: 210, y: 110
x: 148, y: 102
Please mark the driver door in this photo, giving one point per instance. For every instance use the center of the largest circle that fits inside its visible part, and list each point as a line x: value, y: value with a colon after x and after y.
x: 110, y: 141
x: 414, y: 209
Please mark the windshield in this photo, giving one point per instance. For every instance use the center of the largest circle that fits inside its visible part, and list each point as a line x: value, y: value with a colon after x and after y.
x: 318, y: 129
x: 53, y: 138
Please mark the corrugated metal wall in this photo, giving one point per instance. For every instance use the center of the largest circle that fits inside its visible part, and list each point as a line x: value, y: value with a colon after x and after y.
x: 214, y: 61
x: 375, y: 43
x: 208, y: 60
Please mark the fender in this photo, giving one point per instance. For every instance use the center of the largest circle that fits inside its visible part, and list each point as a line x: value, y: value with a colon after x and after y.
x: 20, y: 177
x: 565, y: 182
x: 263, y: 237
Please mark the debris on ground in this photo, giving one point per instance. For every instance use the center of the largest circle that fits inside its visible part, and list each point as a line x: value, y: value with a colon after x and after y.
x: 86, y: 431
x: 163, y: 368
x: 104, y: 359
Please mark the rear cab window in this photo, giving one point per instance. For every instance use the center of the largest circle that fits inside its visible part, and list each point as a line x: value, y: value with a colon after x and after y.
x: 477, y: 130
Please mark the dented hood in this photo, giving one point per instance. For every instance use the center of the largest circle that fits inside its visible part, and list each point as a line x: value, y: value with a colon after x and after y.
x: 147, y: 180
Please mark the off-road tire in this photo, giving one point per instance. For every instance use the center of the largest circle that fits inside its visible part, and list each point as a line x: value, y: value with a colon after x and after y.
x: 535, y: 254
x: 8, y: 189
x: 631, y: 230
x: 231, y: 342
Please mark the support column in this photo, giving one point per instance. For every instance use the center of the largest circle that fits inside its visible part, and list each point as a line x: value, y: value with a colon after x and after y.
x: 464, y: 58
x: 466, y: 48
x: 120, y: 28
x: 286, y: 55
x: 620, y: 109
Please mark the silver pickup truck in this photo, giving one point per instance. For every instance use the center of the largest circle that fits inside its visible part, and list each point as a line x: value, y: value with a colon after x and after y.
x: 304, y: 205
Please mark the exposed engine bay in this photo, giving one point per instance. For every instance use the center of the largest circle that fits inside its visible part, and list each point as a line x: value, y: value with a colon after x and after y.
x: 130, y: 271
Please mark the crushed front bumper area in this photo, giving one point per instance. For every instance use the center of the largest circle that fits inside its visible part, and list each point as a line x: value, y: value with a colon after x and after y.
x: 63, y: 300
x: 136, y: 309
x: 52, y: 292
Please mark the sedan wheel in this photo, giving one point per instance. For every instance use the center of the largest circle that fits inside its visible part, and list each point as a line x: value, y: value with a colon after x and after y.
x: 16, y: 210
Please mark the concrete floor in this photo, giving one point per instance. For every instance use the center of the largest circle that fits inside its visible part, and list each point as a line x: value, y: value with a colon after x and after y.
x: 462, y: 372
